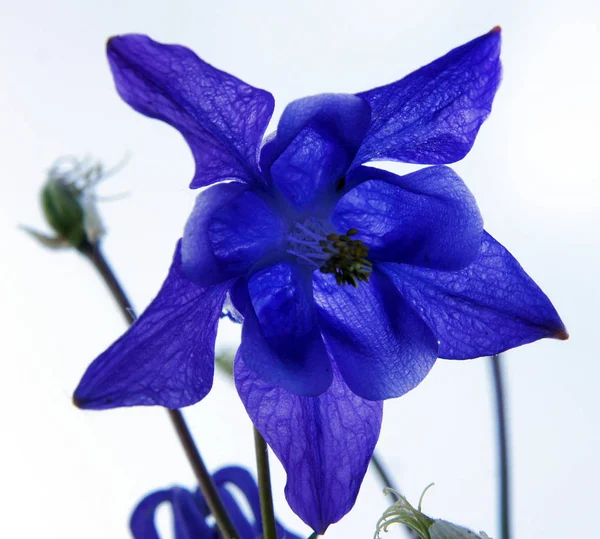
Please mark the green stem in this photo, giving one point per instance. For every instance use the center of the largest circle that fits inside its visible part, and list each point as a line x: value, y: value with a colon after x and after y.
x: 264, y: 487
x: 94, y: 254
x: 505, y: 524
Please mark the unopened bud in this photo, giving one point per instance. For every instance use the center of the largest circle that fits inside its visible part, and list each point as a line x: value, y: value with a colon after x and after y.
x: 69, y: 203
x: 62, y: 207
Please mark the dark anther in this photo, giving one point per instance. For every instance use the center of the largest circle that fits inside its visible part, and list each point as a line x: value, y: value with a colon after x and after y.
x: 348, y: 261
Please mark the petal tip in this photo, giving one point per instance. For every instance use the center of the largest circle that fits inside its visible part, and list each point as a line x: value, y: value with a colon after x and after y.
x: 120, y: 41
x: 88, y: 399
x: 496, y: 30
x: 76, y: 401
x: 321, y: 529
x: 561, y: 334
x: 81, y: 401
x: 112, y: 43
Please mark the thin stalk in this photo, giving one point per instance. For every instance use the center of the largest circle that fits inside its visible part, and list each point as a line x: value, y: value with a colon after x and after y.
x: 95, y: 255
x: 205, y: 481
x: 383, y: 474
x: 264, y: 487
x: 505, y: 525
x: 386, y: 481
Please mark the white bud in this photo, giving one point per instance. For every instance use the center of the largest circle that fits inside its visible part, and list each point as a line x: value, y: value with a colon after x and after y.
x: 441, y: 529
x: 94, y: 230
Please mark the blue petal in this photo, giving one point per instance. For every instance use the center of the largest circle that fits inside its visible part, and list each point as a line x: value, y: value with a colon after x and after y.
x: 428, y: 218
x: 325, y: 443
x: 229, y: 230
x: 309, y: 171
x: 316, y: 140
x: 142, y: 523
x: 241, y: 479
x: 189, y: 522
x: 240, y: 522
x: 380, y: 345
x: 198, y: 259
x: 191, y: 512
x: 166, y: 357
x: 344, y: 117
x: 432, y: 116
x: 488, y: 307
x: 222, y: 118
x: 244, y: 482
x: 281, y: 342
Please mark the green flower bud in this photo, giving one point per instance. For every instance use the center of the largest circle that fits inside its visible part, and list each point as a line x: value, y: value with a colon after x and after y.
x: 69, y: 203
x: 61, y: 203
x: 402, y: 512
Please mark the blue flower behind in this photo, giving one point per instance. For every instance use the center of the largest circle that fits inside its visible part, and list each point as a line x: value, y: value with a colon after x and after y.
x: 191, y: 514
x: 350, y: 280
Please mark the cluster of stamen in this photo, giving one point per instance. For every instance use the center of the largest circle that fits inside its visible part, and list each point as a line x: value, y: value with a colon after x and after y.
x: 340, y: 255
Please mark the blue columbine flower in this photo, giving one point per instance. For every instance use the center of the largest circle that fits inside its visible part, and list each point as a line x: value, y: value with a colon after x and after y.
x: 191, y: 514
x: 350, y: 280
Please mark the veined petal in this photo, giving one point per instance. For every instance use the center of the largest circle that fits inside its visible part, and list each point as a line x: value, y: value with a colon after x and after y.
x: 344, y: 117
x: 380, y: 345
x: 221, y: 117
x: 197, y: 257
x: 486, y: 308
x: 281, y: 342
x: 229, y: 230
x: 166, y: 357
x: 188, y: 520
x: 316, y: 140
x: 325, y: 443
x: 428, y: 218
x: 432, y: 116
x: 309, y: 172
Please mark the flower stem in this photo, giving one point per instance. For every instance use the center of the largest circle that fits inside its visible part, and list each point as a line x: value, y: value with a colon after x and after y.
x: 95, y: 255
x: 204, y: 479
x: 264, y: 487
x: 383, y: 474
x: 505, y: 526
x: 387, y: 481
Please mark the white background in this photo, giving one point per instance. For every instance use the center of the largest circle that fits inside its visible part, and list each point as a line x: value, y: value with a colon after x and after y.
x: 72, y: 474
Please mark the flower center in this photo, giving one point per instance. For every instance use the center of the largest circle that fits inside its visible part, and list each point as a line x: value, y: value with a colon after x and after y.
x: 340, y: 255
